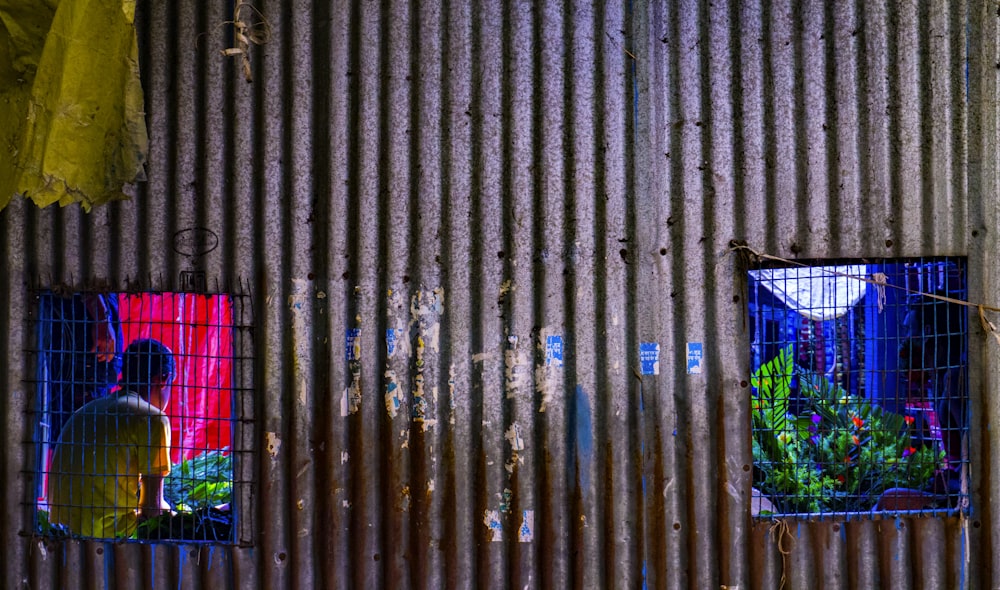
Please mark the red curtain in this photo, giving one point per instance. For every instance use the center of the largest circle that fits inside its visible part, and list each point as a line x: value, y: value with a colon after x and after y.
x: 198, y: 329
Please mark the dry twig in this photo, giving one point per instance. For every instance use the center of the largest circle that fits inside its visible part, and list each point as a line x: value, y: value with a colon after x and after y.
x: 248, y: 31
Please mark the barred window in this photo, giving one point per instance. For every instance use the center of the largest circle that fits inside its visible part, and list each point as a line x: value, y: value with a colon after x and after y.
x: 143, y: 416
x: 859, y: 387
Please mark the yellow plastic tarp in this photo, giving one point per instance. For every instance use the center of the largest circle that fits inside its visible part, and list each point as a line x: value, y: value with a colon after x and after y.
x: 72, y: 126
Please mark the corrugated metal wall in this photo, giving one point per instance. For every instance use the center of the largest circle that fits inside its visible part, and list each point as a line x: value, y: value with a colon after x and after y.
x: 506, y: 200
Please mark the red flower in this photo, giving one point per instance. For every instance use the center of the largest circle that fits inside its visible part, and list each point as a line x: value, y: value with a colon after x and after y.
x: 909, y: 419
x: 909, y: 451
x: 858, y: 422
x: 841, y: 478
x: 856, y: 440
x: 847, y: 459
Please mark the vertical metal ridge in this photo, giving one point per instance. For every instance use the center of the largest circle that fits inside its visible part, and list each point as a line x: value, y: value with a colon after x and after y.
x: 13, y: 239
x: 983, y: 216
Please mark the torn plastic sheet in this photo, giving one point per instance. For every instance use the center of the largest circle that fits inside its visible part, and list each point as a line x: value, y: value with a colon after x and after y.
x: 72, y: 126
x: 819, y: 293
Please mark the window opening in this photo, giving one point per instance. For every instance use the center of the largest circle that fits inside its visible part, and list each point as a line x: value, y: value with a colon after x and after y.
x: 859, y: 387
x: 143, y: 416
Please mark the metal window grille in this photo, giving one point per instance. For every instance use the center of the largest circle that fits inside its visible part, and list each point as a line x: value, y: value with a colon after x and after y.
x: 99, y: 438
x: 859, y: 387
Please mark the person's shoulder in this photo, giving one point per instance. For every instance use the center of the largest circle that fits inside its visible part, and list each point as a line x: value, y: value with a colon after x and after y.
x: 99, y: 405
x: 133, y: 403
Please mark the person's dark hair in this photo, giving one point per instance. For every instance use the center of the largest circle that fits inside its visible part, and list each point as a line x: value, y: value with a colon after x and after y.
x: 145, y: 360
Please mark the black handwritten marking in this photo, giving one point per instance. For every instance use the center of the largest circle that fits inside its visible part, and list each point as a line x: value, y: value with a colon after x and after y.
x: 195, y: 241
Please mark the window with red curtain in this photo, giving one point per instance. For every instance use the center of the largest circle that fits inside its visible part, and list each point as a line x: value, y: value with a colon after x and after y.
x: 198, y: 329
x: 81, y: 338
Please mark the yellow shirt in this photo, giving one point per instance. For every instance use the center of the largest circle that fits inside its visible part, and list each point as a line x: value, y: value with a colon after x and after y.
x: 101, y: 452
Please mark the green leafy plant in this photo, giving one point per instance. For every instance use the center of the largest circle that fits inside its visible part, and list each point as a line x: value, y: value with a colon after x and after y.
x: 839, y: 454
x: 772, y: 384
x: 200, y: 482
x: 194, y: 489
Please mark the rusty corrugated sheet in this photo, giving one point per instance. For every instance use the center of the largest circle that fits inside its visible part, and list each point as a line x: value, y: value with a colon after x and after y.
x: 474, y: 186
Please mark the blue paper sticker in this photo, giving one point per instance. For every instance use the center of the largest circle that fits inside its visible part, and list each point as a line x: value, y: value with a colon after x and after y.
x: 554, y: 351
x: 649, y: 358
x: 694, y: 358
x: 352, y: 344
x: 390, y: 341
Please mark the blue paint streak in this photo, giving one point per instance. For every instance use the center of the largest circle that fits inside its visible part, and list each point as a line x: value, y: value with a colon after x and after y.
x: 109, y: 564
x: 583, y: 423
x: 644, y: 583
x: 182, y: 553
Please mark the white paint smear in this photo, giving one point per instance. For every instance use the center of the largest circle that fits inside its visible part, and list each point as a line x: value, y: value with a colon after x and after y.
x: 480, y: 357
x: 301, y: 309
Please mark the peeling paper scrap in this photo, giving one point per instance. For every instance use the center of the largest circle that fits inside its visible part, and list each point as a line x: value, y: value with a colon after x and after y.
x: 393, y: 394
x: 391, y: 336
x: 426, y: 308
x: 525, y: 534
x: 513, y: 436
x: 505, y: 288
x: 505, y: 500
x: 352, y: 344
x: 549, y: 375
x: 491, y: 518
x: 517, y: 363
x: 350, y: 403
x: 273, y: 444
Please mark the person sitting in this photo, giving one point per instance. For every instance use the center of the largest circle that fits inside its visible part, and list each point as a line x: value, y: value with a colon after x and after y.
x: 113, y: 453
